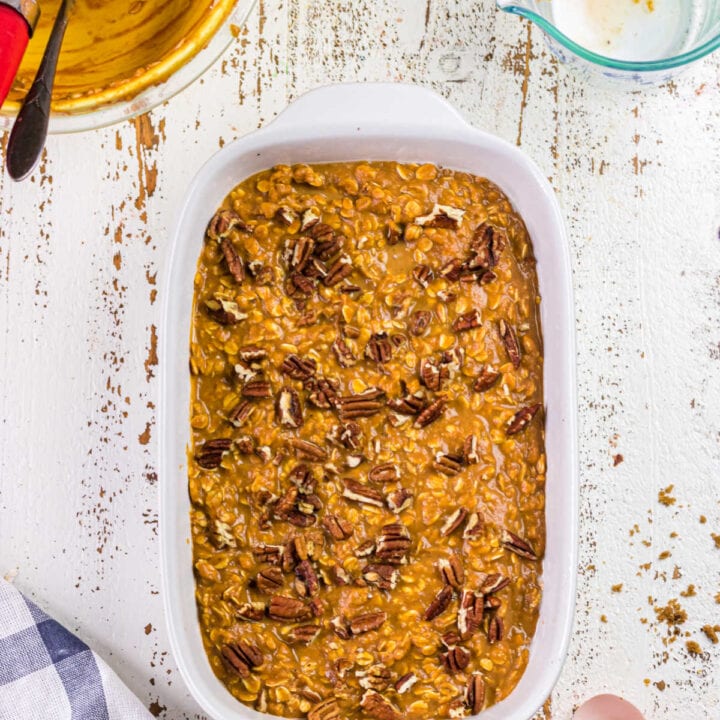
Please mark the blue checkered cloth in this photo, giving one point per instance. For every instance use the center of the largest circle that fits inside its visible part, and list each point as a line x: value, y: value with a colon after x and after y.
x: 46, y: 673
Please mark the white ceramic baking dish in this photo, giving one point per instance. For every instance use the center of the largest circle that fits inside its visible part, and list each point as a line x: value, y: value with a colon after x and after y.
x: 375, y: 122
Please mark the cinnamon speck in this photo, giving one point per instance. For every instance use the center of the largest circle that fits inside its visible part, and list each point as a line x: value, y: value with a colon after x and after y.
x: 716, y: 538
x: 617, y: 459
x: 703, y: 519
x: 693, y: 648
x: 664, y: 497
x: 672, y: 614
x: 660, y: 685
x: 664, y: 555
x: 603, y: 618
x: 148, y: 628
x: 617, y: 588
x: 690, y: 592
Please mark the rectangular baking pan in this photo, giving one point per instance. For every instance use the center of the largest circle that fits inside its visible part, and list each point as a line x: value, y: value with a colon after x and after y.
x: 403, y: 123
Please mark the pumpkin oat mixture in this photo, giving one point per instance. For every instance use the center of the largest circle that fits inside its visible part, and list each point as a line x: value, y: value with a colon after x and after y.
x: 367, y: 471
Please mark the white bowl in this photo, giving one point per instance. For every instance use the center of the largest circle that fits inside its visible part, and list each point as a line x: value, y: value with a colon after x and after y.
x: 374, y: 122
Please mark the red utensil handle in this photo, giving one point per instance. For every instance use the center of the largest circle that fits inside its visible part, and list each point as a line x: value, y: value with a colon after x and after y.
x: 17, y: 22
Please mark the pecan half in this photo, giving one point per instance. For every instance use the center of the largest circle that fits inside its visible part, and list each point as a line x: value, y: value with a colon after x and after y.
x: 456, y: 659
x: 494, y: 583
x: 453, y: 522
x: 470, y: 450
x: 495, y: 629
x: 338, y: 271
x: 212, y: 452
x: 223, y: 223
x: 269, y: 580
x: 512, y: 347
x: 403, y: 684
x: 423, y: 275
x: 467, y: 321
x: 288, y: 410
x: 364, y: 404
x: 515, y: 544
x: 322, y: 392
x: 379, y: 348
x: 367, y: 622
x: 288, y: 609
x: 242, y: 657
x: 251, y: 611
x: 301, y: 284
x: 307, y: 576
x: 475, y: 694
x: 521, y: 419
x: 302, y: 634
x: 448, y: 464
x: 252, y: 353
x: 384, y: 576
x: 431, y: 413
x: 392, y: 544
x: 308, y: 450
x: 233, y: 260
x: 325, y: 710
x: 419, y: 321
x: 385, y: 473
x: 257, y: 389
x: 452, y: 571
x: 298, y: 368
x: 470, y: 613
x: 345, y: 356
x: 376, y: 677
x: 430, y: 373
x: 270, y: 554
x: 440, y: 603
x: 338, y: 528
x: 399, y: 500
x: 223, y: 311
x: 379, y: 707
x: 441, y: 216
x: 362, y: 493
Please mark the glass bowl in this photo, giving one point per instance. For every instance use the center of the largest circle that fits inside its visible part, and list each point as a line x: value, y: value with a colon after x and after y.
x: 176, y: 66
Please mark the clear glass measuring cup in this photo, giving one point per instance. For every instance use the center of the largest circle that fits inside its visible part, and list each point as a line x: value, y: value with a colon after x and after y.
x: 637, y: 41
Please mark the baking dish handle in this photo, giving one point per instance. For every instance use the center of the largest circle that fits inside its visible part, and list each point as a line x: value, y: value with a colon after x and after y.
x: 369, y: 105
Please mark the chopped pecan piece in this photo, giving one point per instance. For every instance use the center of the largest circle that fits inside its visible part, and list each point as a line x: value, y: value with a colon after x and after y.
x: 452, y: 571
x: 419, y: 321
x: 338, y: 528
x: 512, y: 347
x: 340, y: 627
x: 423, y: 274
x: 492, y: 603
x: 223, y: 223
x: 495, y: 629
x: 310, y: 217
x: 252, y: 611
x: 364, y: 404
x: 242, y: 657
x: 399, y: 500
x: 430, y: 373
x: 225, y: 312
x: 470, y: 450
x: 453, y: 522
x: 475, y: 694
x: 302, y: 634
x: 257, y: 389
x: 394, y: 233
x: 339, y: 575
x: 393, y: 544
x: 300, y: 283
x: 403, y: 684
x: 517, y: 545
x: 350, y: 435
x: 442, y: 216
x: 302, y: 477
x: 307, y: 576
x: 285, y: 215
x: 288, y: 409
x: 467, y: 321
x: 322, y: 392
x: 448, y: 464
x: 308, y: 450
x: 245, y: 445
x: 327, y: 243
x: 474, y: 525
x: 456, y: 659
x: 269, y: 580
x: 385, y: 473
x: 407, y: 403
x: 345, y: 356
x: 298, y: 368
x: 452, y: 361
x: 470, y: 613
x: 233, y: 260
x: 338, y: 271
x: 286, y: 503
x: 367, y: 622
x: 270, y: 554
x: 494, y: 583
x: 453, y: 270
x: 325, y: 710
x: 252, y: 353
x: 263, y: 275
x: 362, y: 493
x: 378, y: 707
x: 376, y: 677
x: 245, y: 372
x: 212, y: 452
x: 379, y: 348
x: 431, y: 413
x: 288, y: 609
x: 365, y: 549
x: 521, y: 419
x: 440, y: 603
x: 384, y: 576
x: 486, y: 246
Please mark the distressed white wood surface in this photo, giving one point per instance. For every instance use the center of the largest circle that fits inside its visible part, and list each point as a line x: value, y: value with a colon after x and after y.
x: 82, y: 242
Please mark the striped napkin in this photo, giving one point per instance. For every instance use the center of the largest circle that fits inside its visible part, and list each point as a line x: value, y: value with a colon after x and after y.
x: 46, y: 673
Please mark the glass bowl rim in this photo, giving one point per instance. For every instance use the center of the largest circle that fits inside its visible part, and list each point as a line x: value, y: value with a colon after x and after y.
x: 644, y: 66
